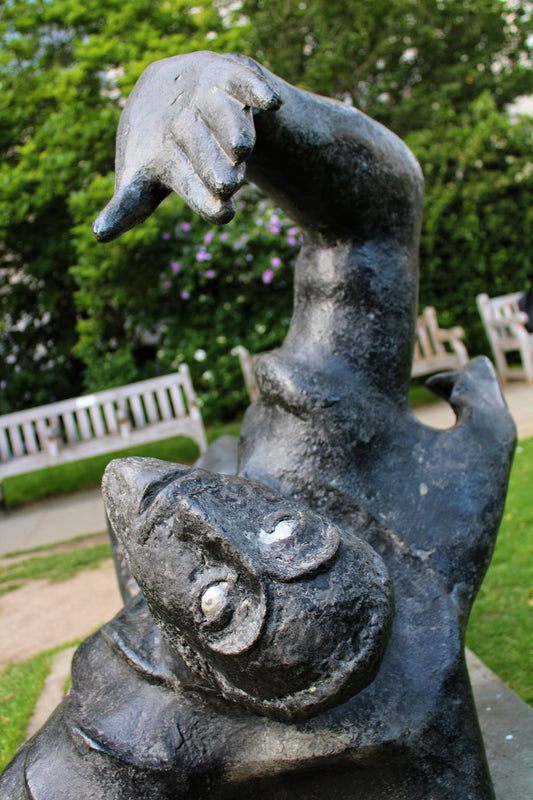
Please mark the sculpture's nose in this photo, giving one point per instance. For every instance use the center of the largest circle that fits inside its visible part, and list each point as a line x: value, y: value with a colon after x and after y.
x: 129, y: 486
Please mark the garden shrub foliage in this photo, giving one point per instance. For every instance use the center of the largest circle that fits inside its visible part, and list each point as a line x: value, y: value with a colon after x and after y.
x: 183, y: 291
x: 478, y: 212
x: 78, y: 316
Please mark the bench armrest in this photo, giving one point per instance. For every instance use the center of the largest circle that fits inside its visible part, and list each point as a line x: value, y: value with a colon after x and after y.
x: 446, y: 335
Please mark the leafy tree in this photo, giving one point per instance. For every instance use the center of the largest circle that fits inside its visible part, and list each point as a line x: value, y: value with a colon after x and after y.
x: 78, y: 315
x: 65, y: 67
x: 478, y: 213
x: 401, y: 61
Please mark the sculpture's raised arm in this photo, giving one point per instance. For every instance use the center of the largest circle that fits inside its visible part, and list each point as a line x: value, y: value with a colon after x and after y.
x: 197, y: 123
x: 333, y: 413
x: 335, y: 170
x: 190, y: 125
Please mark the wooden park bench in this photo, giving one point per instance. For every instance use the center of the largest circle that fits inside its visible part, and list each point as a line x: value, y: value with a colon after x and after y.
x: 505, y: 326
x: 247, y: 362
x: 436, y: 349
x: 104, y: 422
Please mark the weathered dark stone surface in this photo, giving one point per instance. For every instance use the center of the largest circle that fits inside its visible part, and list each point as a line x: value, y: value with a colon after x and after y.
x: 291, y: 689
x: 169, y: 705
x: 221, y: 456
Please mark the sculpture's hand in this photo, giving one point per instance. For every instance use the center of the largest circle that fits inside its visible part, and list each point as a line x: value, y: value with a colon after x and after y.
x: 188, y: 127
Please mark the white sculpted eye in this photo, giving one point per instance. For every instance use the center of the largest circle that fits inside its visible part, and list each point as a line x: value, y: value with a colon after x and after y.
x: 283, y: 529
x: 215, y: 600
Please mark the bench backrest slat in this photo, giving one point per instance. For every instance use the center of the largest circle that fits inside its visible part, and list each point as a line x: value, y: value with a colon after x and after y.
x: 41, y: 427
x: 150, y: 407
x: 424, y: 341
x: 186, y: 385
x: 428, y: 336
x: 30, y: 441
x: 435, y: 333
x: 84, y: 424
x: 137, y: 411
x: 97, y: 419
x: 177, y: 400
x: 71, y: 430
x: 110, y: 414
x: 17, y: 444
x: 164, y: 403
x: 5, y: 451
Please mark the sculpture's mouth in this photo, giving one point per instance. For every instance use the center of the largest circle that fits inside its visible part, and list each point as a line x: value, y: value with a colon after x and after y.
x: 330, y: 691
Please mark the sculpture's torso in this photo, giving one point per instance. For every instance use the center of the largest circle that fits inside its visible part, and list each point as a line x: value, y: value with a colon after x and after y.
x: 123, y: 714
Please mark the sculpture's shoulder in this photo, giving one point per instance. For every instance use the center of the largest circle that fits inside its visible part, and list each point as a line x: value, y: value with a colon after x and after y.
x: 63, y: 762
x: 120, y: 726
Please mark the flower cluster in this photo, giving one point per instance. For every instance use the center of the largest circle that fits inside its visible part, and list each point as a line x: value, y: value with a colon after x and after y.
x: 259, y: 244
x: 179, y: 290
x: 225, y: 286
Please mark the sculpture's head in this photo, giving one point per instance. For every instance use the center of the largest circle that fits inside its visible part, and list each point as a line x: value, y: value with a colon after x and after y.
x: 268, y: 602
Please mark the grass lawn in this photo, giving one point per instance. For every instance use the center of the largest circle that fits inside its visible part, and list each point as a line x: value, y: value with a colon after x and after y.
x: 67, y: 560
x: 500, y: 631
x: 20, y: 687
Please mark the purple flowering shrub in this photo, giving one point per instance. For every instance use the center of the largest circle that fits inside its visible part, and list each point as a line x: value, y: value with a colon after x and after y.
x: 177, y: 289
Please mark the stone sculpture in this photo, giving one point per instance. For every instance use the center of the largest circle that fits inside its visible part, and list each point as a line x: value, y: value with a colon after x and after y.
x: 300, y: 627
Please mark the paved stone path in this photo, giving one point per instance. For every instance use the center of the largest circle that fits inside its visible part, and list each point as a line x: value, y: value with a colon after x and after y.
x: 55, y: 520
x: 42, y: 615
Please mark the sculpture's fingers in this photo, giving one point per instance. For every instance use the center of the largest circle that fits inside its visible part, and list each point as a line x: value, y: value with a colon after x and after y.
x: 182, y: 178
x: 247, y: 85
x: 132, y: 203
x: 217, y: 170
x: 231, y: 125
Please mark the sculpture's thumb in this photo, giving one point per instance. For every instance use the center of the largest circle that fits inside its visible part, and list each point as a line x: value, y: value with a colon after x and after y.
x: 132, y: 203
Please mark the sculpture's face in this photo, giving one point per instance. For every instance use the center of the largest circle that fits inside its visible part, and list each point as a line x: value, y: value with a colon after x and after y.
x: 264, y: 597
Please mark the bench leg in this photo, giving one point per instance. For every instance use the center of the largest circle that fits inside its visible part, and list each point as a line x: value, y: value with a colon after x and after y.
x: 528, y: 366
x: 501, y: 364
x: 526, y: 354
